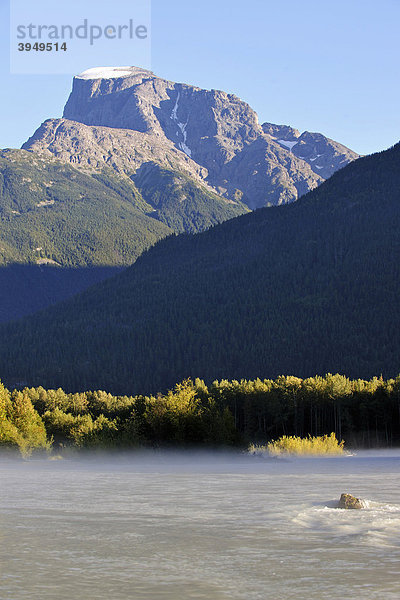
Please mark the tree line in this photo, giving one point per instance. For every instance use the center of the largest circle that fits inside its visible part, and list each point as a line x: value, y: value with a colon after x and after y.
x: 228, y: 413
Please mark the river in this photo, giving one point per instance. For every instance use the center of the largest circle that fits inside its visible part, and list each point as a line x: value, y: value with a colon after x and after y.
x: 170, y: 526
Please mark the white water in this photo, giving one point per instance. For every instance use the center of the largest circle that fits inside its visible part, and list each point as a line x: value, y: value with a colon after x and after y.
x: 211, y: 527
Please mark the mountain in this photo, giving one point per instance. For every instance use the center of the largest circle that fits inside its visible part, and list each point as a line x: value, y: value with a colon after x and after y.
x: 124, y: 117
x: 70, y: 229
x: 52, y: 213
x: 310, y: 287
x: 136, y: 158
x: 324, y: 156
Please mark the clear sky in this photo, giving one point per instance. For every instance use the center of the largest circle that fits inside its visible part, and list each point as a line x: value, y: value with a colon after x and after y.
x: 317, y: 65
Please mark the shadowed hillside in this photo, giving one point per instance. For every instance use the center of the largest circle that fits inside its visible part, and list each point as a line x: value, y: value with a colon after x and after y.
x: 307, y: 288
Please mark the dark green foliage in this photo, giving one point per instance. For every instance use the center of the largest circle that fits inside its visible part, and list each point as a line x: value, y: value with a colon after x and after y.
x: 363, y: 413
x: 181, y: 203
x: 124, y: 187
x: 184, y: 416
x: 308, y: 288
x: 80, y: 430
x: 9, y: 434
x: 20, y: 424
x: 25, y: 289
x: 50, y: 210
x: 51, y: 213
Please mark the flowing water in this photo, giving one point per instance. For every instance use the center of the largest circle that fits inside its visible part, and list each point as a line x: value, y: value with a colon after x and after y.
x: 199, y: 526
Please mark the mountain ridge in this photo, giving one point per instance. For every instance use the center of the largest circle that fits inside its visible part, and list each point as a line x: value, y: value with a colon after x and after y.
x: 306, y: 288
x: 208, y: 134
x: 144, y: 157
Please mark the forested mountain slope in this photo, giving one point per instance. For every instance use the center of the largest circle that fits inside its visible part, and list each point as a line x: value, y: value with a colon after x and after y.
x: 301, y: 289
x: 56, y: 217
x: 51, y: 212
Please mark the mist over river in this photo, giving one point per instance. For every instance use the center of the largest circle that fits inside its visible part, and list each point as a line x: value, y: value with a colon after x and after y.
x: 172, y: 526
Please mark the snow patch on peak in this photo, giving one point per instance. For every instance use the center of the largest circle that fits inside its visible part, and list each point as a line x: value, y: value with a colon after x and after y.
x: 182, y: 126
x: 110, y: 72
x: 174, y: 116
x: 288, y: 144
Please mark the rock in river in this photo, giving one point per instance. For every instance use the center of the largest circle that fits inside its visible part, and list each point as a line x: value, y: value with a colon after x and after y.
x: 349, y: 501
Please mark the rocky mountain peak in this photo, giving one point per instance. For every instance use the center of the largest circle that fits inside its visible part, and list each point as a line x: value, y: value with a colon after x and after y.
x: 133, y: 98
x: 208, y: 134
x: 325, y: 156
x: 283, y: 132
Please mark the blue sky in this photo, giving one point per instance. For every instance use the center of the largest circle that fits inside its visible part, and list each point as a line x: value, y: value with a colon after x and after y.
x: 321, y: 66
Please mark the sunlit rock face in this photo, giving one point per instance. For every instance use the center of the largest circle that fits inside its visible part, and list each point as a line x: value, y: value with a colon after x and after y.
x: 126, y: 116
x: 325, y: 156
x: 348, y: 501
